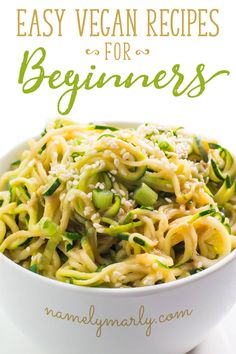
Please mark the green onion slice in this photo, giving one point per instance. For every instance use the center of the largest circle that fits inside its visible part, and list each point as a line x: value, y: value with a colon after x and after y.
x: 145, y: 196
x: 102, y: 198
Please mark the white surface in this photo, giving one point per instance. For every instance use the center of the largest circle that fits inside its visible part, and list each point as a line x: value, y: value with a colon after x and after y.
x: 220, y: 340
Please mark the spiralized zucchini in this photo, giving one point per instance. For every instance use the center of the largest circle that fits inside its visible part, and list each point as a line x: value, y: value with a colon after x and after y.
x: 94, y: 205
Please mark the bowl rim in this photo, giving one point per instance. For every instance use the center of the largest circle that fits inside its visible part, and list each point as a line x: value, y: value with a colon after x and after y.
x: 148, y: 290
x: 139, y: 291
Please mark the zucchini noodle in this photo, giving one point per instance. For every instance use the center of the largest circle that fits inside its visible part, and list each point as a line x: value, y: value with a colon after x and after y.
x: 96, y: 205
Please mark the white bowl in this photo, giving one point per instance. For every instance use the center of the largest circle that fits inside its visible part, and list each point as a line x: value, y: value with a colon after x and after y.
x: 169, y: 318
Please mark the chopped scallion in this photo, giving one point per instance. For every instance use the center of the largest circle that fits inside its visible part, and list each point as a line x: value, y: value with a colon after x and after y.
x: 102, y: 198
x: 145, y: 196
x: 164, y: 145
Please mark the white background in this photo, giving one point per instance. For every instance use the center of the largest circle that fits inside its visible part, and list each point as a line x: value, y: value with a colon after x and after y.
x: 24, y: 115
x: 213, y: 113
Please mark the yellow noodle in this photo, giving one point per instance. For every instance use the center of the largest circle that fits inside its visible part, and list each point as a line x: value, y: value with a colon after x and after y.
x: 50, y: 221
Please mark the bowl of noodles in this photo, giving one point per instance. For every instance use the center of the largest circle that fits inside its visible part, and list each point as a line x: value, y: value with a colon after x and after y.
x: 117, y: 238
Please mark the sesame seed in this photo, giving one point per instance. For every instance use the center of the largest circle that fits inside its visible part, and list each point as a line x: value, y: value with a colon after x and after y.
x: 126, y: 156
x: 116, y: 273
x: 107, y: 153
x: 100, y: 230
x: 155, y: 266
x: 118, y: 285
x: 123, y: 200
x: 70, y: 198
x: 31, y: 163
x: 121, y: 212
x: 87, y: 210
x: 159, y: 274
x: 125, y: 173
x: 36, y: 258
x: 100, y: 185
x: 147, y: 281
x: 173, y: 166
x: 98, y: 226
x: 117, y: 163
x: 106, y: 278
x: 114, y: 145
x: 95, y: 216
x: 62, y: 196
